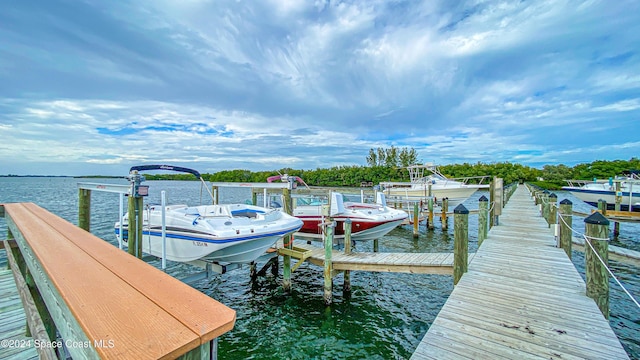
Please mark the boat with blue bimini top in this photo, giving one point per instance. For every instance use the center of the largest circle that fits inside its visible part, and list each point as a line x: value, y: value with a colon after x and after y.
x: 229, y: 233
x: 590, y: 192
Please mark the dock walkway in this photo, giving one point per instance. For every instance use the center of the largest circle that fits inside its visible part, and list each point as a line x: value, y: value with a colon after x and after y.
x: 415, y: 263
x: 522, y: 298
x: 13, y: 321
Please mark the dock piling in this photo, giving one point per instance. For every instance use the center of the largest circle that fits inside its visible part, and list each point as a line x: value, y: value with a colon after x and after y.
x: 288, y: 243
x: 483, y: 215
x: 84, y: 209
x: 460, y: 242
x: 430, y: 225
x: 328, y: 268
x: 346, y: 286
x: 596, y: 260
x: 566, y: 222
x: 553, y: 209
x: 416, y: 219
x: 445, y: 209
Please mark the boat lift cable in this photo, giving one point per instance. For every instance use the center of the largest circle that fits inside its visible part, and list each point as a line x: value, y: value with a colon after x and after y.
x: 587, y: 241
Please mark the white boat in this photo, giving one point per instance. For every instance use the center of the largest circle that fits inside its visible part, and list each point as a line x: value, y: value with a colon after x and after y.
x: 229, y: 233
x: 435, y: 185
x: 592, y: 191
x: 368, y: 221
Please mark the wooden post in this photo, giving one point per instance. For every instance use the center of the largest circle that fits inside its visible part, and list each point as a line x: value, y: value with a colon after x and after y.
x: 253, y: 272
x: 445, y: 209
x: 140, y: 211
x: 602, y: 206
x: 346, y: 286
x: 375, y: 245
x: 132, y: 226
x: 460, y: 242
x: 616, y: 225
x: 416, y: 219
x: 492, y: 202
x: 483, y: 215
x: 254, y: 198
x: 597, y: 234
x: 566, y: 222
x: 328, y: 266
x: 84, y: 209
x: 545, y: 206
x: 430, y: 207
x: 288, y: 243
x: 553, y: 209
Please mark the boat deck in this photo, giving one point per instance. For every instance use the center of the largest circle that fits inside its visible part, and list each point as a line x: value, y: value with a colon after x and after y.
x: 522, y: 298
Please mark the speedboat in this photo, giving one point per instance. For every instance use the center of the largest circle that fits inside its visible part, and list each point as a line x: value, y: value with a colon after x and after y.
x: 230, y: 233
x: 592, y: 191
x: 434, y: 185
x: 368, y: 221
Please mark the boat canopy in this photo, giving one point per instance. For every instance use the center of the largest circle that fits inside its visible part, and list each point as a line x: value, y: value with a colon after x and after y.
x: 165, y: 167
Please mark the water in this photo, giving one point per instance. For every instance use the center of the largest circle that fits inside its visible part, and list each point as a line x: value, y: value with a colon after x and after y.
x: 386, y: 316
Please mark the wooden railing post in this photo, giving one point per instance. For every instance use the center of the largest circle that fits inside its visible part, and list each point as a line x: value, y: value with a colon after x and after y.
x: 416, y: 219
x: 553, y: 209
x: 460, y: 242
x: 597, y: 234
x: 483, y: 217
x: 566, y: 222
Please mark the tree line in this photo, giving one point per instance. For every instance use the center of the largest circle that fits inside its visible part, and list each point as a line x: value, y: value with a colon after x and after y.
x: 389, y: 164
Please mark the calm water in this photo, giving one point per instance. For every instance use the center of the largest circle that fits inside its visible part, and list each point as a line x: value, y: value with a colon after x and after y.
x: 386, y: 316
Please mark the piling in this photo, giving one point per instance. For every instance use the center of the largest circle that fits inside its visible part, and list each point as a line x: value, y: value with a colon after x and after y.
x: 416, y: 220
x: 553, y: 209
x: 430, y: 225
x: 84, y: 209
x: 288, y: 243
x: 445, y: 209
x: 346, y: 286
x: 596, y: 260
x: 566, y: 222
x: 132, y: 226
x: 602, y: 206
x: 492, y: 201
x: 545, y: 205
x: 483, y: 215
x: 460, y: 242
x: 616, y: 225
x: 328, y: 266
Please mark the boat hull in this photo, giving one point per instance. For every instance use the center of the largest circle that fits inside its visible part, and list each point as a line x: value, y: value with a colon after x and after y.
x: 592, y: 196
x: 455, y: 195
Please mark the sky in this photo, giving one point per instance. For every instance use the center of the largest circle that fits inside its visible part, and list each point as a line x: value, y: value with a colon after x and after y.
x: 95, y: 87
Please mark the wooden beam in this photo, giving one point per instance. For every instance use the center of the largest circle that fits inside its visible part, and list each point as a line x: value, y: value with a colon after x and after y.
x: 34, y: 321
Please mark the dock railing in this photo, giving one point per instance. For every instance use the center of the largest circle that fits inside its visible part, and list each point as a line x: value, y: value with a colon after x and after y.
x: 96, y: 301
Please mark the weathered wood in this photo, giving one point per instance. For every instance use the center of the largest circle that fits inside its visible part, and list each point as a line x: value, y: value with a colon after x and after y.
x: 521, y: 298
x: 35, y: 325
x: 416, y: 232
x: 328, y: 268
x: 443, y: 214
x: 100, y: 295
x: 566, y: 223
x: 288, y: 243
x: 596, y: 260
x: 430, y: 224
x: 84, y: 209
x: 132, y: 224
x: 483, y: 214
x: 346, y: 286
x: 460, y: 242
x: 553, y: 209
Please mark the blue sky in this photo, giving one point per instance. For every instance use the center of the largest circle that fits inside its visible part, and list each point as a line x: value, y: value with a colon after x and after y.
x: 95, y: 87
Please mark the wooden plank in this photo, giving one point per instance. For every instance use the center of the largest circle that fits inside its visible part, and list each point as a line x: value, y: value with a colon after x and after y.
x: 34, y: 321
x: 522, y: 298
x: 212, y: 318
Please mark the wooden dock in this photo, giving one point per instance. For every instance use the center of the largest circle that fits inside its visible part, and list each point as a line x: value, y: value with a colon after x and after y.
x: 522, y: 298
x: 415, y: 263
x: 13, y: 322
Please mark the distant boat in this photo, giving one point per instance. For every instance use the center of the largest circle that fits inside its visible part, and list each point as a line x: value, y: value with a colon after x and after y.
x: 231, y: 233
x: 592, y: 191
x: 435, y: 185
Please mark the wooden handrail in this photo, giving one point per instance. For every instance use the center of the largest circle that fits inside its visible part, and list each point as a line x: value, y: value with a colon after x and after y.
x: 103, y: 297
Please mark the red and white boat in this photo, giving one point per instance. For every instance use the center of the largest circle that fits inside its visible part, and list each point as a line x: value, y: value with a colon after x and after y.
x: 368, y: 221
